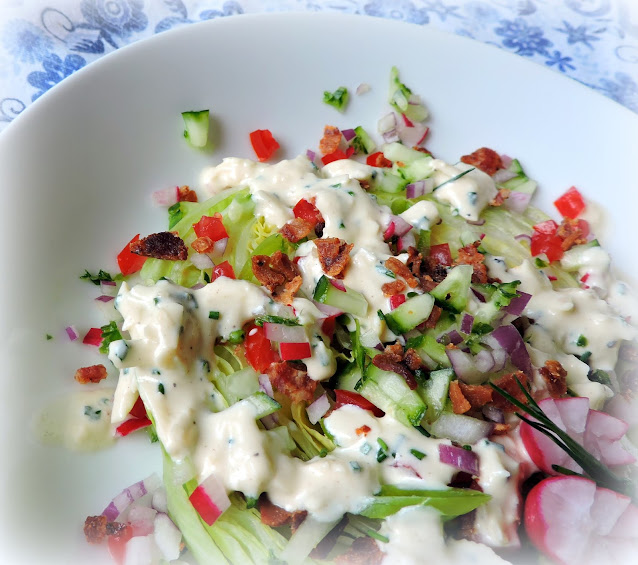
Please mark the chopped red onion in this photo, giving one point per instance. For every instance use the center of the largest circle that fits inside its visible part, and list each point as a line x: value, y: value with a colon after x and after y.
x: 71, y: 332
x: 503, y: 175
x: 466, y: 323
x: 271, y: 421
x: 202, y: 261
x: 406, y: 241
x: 389, y: 231
x: 494, y: 414
x: 401, y: 227
x: 509, y: 338
x: 348, y: 134
x: 478, y: 295
x: 166, y: 196
x: 265, y: 385
x: 460, y: 428
x: 104, y: 298
x: 168, y: 538
x: 412, y: 135
x: 311, y: 155
x: 478, y: 222
x: 108, y: 288
x: 455, y: 337
x: 419, y: 188
x: 507, y: 161
x: 318, y: 408
x: 484, y: 361
x: 338, y: 284
x: 523, y: 237
x: 387, y: 123
x: 464, y: 366
x: 517, y: 201
x: 284, y: 334
x: 363, y: 88
x: 198, y: 285
x: 518, y: 304
x: 462, y: 459
x: 220, y: 246
x: 129, y: 495
x: 327, y: 309
x: 390, y: 136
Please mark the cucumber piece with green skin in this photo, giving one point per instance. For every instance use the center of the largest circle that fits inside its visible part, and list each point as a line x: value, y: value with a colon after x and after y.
x: 387, y: 181
x: 196, y: 124
x: 350, y: 301
x: 349, y: 378
x: 427, y: 345
x: 391, y: 393
x: 435, y: 391
x: 410, y: 314
x: 262, y: 403
x: 453, y: 291
x: 398, y: 152
x: 366, y: 142
x: 418, y: 169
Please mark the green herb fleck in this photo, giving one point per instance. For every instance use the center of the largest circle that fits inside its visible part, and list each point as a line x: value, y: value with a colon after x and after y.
x: 110, y: 333
x: 98, y: 278
x: 540, y: 263
x: 585, y: 356
x: 581, y: 341
x: 160, y: 388
x: 236, y: 336
x: 365, y: 448
x: 376, y: 535
x: 382, y: 453
x: 261, y: 320
x: 92, y: 413
x: 49, y: 337
x: 599, y: 376
x: 152, y: 434
x: 175, y: 214
x: 481, y: 328
x: 338, y: 99
x: 213, y: 315
x: 355, y: 466
x: 418, y: 454
x: 457, y: 177
x: 251, y: 501
x: 467, y: 447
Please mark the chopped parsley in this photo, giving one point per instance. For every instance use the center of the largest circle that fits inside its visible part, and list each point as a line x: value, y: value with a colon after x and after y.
x: 581, y: 341
x: 49, y: 337
x: 98, y: 278
x: 338, y: 99
x: 175, y: 214
x: 213, y: 315
x: 110, y: 333
x: 236, y: 336
x: 160, y: 388
x: 92, y: 414
x: 261, y: 320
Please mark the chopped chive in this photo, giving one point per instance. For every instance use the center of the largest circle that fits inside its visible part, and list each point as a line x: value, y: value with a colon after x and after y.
x: 236, y: 336
x: 418, y: 454
x: 376, y: 535
x: 213, y: 315
x: 160, y: 388
x: 365, y: 448
x: 457, y: 177
x: 355, y: 466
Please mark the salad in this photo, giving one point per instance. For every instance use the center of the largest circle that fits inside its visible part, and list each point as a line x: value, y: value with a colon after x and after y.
x: 366, y: 353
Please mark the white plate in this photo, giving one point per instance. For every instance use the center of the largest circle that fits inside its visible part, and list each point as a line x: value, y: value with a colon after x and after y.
x: 77, y: 169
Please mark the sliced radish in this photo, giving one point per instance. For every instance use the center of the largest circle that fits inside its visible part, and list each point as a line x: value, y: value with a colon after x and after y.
x: 573, y: 521
x: 294, y: 351
x: 598, y: 432
x: 210, y: 499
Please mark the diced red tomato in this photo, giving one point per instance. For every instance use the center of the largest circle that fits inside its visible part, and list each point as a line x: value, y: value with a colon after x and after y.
x: 138, y: 410
x: 441, y: 254
x: 306, y: 210
x: 293, y: 351
x: 549, y: 244
x: 93, y: 337
x: 570, y: 204
x: 548, y: 227
x: 224, y: 269
x: 129, y: 262
x: 132, y: 425
x: 211, y: 226
x: 344, y: 397
x: 378, y: 160
x: 337, y: 155
x: 258, y: 349
x: 117, y: 544
x: 397, y: 300
x: 263, y: 143
x: 328, y: 325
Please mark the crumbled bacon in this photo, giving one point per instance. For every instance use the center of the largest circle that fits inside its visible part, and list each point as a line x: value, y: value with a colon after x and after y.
x: 393, y: 359
x: 460, y: 404
x: 363, y: 430
x: 363, y: 551
x: 421, y: 149
x: 401, y: 270
x: 334, y: 254
x: 485, y: 159
x: 477, y: 395
x: 433, y: 319
x: 571, y: 233
x: 330, y: 141
x: 95, y: 528
x: 275, y: 516
x: 469, y: 255
x: 501, y: 197
x: 412, y: 359
x: 185, y: 194
x: 508, y: 384
x: 500, y: 429
x: 393, y: 288
x: 92, y: 374
x: 278, y: 274
x: 555, y: 377
x: 164, y: 245
x: 428, y: 273
x: 364, y: 184
x: 203, y: 244
x: 296, y: 229
x: 291, y: 381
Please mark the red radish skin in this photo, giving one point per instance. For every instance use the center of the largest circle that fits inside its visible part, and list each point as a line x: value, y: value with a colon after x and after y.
x: 572, y: 521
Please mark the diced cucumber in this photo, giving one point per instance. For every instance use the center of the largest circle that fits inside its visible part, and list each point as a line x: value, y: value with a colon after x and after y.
x: 435, y: 392
x: 349, y: 378
x: 428, y: 345
x: 391, y: 393
x: 350, y: 301
x: 410, y: 314
x: 387, y: 181
x: 365, y: 141
x: 237, y: 385
x: 418, y: 169
x: 196, y: 124
x: 262, y: 403
x: 398, y: 152
x: 576, y: 257
x: 452, y: 292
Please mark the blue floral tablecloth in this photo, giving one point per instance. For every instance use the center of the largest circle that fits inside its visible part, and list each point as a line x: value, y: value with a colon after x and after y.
x: 593, y: 41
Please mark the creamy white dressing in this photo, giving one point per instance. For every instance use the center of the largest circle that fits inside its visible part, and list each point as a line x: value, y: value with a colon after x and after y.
x: 422, y: 215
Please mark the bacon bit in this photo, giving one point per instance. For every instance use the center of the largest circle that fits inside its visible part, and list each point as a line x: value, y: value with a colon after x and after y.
x: 185, y: 194
x: 363, y: 430
x: 555, y: 378
x: 431, y: 322
x: 92, y: 374
x: 203, y: 244
x: 296, y: 229
x: 485, y: 159
x: 421, y: 149
x: 501, y: 197
x: 330, y: 141
x: 393, y: 288
x: 477, y: 395
x: 460, y: 404
x: 363, y: 551
x: 275, y: 516
x: 571, y: 232
x: 401, y: 270
x: 508, y: 384
x: 501, y: 429
x: 164, y: 245
x: 469, y: 255
x: 334, y: 254
x: 278, y: 274
x: 364, y: 184
x: 394, y: 352
x: 427, y: 273
x: 412, y: 359
x: 95, y: 529
x: 391, y: 360
x: 292, y: 381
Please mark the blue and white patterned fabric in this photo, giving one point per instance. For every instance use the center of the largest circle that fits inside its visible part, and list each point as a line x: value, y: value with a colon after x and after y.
x: 593, y: 41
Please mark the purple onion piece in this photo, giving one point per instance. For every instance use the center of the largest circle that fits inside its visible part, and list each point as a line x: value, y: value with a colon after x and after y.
x: 311, y: 155
x: 104, y: 298
x: 406, y: 241
x: 415, y: 189
x: 464, y: 366
x: 518, y: 304
x: 318, y: 408
x: 484, y: 361
x: 455, y: 337
x: 401, y: 227
x: 460, y: 428
x: 198, y: 286
x: 466, y: 323
x: 478, y: 295
x: 493, y: 414
x: 348, y: 134
x: 509, y: 338
x: 523, y: 237
x: 462, y: 459
x: 517, y: 201
x: 478, y: 222
x: 71, y: 332
x: 503, y: 175
x: 265, y: 385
